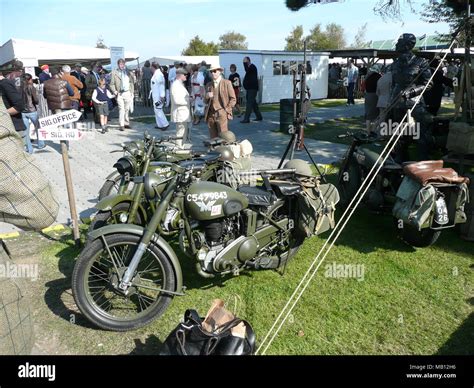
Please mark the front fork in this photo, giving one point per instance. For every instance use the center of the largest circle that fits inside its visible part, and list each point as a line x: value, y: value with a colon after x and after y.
x: 150, y: 230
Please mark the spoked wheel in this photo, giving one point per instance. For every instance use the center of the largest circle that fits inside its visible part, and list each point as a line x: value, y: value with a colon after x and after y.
x: 96, y: 279
x: 118, y: 215
x: 418, y: 238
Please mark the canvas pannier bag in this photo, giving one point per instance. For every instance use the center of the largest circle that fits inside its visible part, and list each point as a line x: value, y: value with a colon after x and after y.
x: 316, y: 208
x: 415, y: 203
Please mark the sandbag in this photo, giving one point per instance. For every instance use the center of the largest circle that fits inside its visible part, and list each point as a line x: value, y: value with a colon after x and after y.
x: 16, y: 323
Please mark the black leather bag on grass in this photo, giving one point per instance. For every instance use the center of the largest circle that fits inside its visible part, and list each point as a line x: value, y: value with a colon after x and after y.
x: 190, y: 339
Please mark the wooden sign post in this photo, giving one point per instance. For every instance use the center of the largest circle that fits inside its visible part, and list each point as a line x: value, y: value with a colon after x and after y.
x: 52, y: 128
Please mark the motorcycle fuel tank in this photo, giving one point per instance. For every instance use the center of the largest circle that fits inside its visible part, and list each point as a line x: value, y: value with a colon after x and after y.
x: 206, y: 201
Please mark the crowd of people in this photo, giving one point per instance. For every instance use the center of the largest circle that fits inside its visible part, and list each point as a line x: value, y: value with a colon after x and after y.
x: 195, y: 92
x: 374, y: 85
x: 201, y: 93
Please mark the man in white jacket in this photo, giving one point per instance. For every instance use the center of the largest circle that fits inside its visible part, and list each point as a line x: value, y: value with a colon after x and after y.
x: 180, y: 107
x: 157, y: 91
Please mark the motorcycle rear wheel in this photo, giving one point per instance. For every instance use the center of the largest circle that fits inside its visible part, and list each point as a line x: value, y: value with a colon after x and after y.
x: 418, y: 238
x: 95, y: 277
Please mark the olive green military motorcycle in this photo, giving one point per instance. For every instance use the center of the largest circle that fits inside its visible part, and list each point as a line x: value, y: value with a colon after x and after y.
x: 423, y: 197
x: 134, y: 208
x: 127, y: 275
x: 136, y: 154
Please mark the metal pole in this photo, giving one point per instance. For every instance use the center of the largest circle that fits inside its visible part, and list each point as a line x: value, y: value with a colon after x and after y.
x: 70, y: 193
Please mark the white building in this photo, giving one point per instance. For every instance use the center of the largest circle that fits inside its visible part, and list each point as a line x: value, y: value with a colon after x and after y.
x: 275, y: 70
x: 195, y: 60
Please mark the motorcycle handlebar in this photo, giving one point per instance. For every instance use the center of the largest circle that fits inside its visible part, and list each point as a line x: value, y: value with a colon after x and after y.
x: 168, y: 138
x: 213, y: 142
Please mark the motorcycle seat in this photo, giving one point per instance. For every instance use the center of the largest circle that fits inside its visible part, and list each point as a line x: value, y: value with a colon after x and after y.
x: 286, y: 188
x: 210, y: 157
x: 195, y: 164
x: 256, y: 195
x: 432, y: 171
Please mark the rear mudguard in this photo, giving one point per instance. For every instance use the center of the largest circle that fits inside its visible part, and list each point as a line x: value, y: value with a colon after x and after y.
x: 157, y: 240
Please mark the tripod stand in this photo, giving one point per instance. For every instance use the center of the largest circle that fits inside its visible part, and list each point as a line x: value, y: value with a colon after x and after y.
x: 301, y: 104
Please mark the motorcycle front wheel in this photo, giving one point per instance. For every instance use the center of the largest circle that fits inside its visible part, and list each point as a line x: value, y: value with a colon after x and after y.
x: 96, y: 277
x: 349, y: 182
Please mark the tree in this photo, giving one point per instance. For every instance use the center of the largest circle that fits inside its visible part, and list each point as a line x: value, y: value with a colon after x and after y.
x: 359, y: 39
x: 384, y: 8
x: 448, y: 11
x: 329, y: 39
x: 197, y: 46
x: 100, y: 43
x: 294, y: 41
x: 335, y: 36
x: 233, y: 41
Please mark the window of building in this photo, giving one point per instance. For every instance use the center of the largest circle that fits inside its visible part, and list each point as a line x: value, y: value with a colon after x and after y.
x: 276, y: 67
x: 293, y: 67
x: 285, y: 67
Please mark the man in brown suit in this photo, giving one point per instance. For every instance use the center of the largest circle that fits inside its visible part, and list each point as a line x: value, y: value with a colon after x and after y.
x: 220, y: 99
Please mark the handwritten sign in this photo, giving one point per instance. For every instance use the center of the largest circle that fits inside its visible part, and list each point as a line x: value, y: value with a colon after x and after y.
x: 66, y: 117
x: 64, y: 134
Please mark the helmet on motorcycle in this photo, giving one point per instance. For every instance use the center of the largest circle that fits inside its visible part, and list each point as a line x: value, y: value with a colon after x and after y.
x: 301, y: 167
x: 228, y: 136
x: 225, y: 153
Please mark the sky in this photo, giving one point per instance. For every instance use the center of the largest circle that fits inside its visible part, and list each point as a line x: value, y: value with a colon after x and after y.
x: 164, y: 27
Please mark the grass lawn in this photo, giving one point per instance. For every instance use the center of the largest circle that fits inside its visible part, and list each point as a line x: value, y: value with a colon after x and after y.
x: 408, y: 301
x: 327, y: 103
x: 330, y: 129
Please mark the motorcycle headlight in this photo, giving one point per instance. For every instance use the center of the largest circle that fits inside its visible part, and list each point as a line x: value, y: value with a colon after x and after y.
x: 126, y: 165
x: 153, y: 185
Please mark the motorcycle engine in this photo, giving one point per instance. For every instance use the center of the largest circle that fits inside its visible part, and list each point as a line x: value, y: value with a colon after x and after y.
x: 212, y: 238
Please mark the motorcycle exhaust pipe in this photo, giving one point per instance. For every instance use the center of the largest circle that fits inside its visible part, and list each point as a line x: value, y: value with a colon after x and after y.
x: 202, y: 273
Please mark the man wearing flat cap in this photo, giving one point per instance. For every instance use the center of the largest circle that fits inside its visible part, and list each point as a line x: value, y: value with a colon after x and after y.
x: 180, y: 107
x: 220, y: 99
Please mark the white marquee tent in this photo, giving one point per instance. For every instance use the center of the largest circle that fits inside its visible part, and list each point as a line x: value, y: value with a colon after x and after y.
x: 36, y: 53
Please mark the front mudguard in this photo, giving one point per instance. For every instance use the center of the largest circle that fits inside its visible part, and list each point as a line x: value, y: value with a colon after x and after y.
x: 157, y: 240
x: 113, y: 176
x: 109, y: 202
